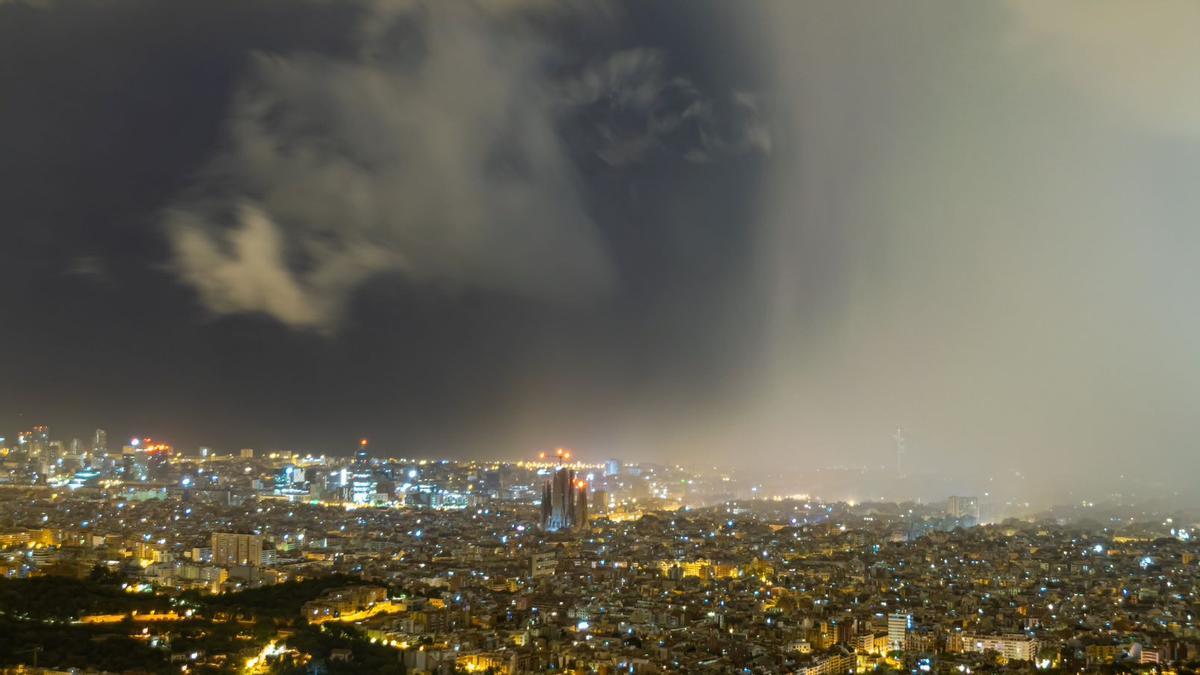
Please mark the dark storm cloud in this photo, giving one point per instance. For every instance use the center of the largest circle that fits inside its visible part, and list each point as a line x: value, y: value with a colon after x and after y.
x: 435, y: 152
x: 679, y: 230
x: 222, y: 114
x: 644, y: 110
x: 448, y: 170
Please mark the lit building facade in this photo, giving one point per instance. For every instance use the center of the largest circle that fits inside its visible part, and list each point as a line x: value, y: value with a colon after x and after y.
x: 362, y: 484
x: 233, y: 549
x: 898, y: 627
x: 564, y: 502
x: 963, y: 508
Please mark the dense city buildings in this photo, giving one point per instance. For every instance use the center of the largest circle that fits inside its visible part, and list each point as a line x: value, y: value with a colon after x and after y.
x: 446, y: 567
x: 599, y: 337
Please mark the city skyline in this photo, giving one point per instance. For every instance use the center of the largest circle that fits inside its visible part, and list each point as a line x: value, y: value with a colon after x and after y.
x: 681, y: 231
x: 599, y: 337
x: 263, y: 563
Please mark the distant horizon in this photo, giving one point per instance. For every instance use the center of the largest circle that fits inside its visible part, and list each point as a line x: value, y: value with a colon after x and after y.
x: 763, y: 234
x: 856, y: 484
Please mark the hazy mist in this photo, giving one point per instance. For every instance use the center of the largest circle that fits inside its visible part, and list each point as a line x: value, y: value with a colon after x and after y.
x: 984, y: 230
x: 759, y: 233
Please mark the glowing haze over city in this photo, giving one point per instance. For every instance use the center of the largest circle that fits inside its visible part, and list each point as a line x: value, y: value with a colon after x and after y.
x: 601, y: 336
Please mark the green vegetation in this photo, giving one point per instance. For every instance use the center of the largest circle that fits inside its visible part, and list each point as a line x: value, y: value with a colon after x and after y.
x: 62, y: 599
x: 279, y: 602
x: 320, y: 642
x: 69, y: 646
x: 37, y: 615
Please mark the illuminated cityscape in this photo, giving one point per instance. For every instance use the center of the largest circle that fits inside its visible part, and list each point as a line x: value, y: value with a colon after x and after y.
x: 599, y: 337
x: 421, y: 565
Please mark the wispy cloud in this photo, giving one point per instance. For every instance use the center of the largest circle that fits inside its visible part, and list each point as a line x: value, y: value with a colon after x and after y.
x: 434, y: 154
x: 644, y: 109
x: 89, y: 267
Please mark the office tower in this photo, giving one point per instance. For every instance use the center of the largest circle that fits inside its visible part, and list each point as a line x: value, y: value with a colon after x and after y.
x: 35, y: 441
x: 362, y: 485
x: 492, y: 482
x: 233, y: 549
x: 74, y: 457
x: 600, y: 502
x: 612, y: 467
x: 289, y: 480
x: 898, y: 627
x: 100, y: 441
x: 564, y: 502
x: 963, y: 507
x: 134, y: 466
x: 247, y: 453
x: 158, y: 459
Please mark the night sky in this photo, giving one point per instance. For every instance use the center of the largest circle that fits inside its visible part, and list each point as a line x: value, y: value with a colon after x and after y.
x: 684, y: 230
x: 116, y: 112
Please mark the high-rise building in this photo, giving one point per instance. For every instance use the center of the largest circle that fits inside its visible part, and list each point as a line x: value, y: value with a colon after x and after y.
x: 35, y: 441
x: 158, y: 459
x: 233, y: 549
x: 247, y: 453
x: 963, y: 508
x: 100, y: 442
x: 564, y: 502
x: 362, y: 485
x: 898, y: 627
x: 600, y: 502
x: 289, y: 480
x: 612, y: 467
x: 133, y: 464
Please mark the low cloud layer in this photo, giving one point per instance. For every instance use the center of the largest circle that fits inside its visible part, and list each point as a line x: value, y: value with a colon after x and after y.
x: 767, y: 233
x: 984, y: 231
x: 1141, y: 61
